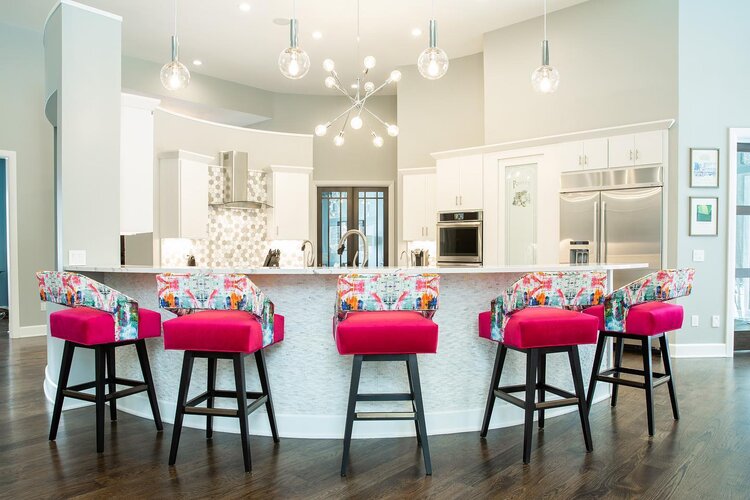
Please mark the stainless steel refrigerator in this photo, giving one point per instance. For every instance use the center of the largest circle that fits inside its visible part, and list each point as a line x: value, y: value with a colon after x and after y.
x: 612, y: 216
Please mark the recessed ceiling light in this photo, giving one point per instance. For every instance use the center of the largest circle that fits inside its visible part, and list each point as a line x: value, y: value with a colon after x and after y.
x: 354, y: 85
x: 317, y: 35
x: 245, y: 7
x: 197, y: 62
x: 416, y: 32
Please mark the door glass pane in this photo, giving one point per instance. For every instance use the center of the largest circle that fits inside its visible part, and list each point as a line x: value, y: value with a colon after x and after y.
x: 520, y: 214
x: 372, y: 221
x: 334, y: 218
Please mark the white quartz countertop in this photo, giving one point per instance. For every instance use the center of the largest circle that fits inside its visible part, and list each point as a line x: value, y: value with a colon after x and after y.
x: 342, y: 270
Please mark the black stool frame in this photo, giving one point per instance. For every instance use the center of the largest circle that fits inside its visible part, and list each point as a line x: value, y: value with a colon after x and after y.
x: 240, y: 394
x: 414, y: 395
x: 536, y: 382
x: 651, y: 378
x: 104, y: 356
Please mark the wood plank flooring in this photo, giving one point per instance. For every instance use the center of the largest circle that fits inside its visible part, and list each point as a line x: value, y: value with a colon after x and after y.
x: 704, y: 455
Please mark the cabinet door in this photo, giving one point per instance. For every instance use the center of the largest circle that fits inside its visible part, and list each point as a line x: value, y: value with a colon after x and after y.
x: 595, y: 153
x: 414, y: 202
x: 648, y: 148
x: 621, y: 151
x: 571, y: 156
x: 430, y: 211
x: 471, y: 194
x: 193, y: 199
x: 291, y: 202
x: 448, y: 182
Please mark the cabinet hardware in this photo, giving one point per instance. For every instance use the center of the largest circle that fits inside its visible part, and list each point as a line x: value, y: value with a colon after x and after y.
x: 636, y: 154
x: 585, y: 160
x: 456, y: 200
x: 631, y: 154
x: 579, y: 160
x: 277, y: 230
x: 461, y: 200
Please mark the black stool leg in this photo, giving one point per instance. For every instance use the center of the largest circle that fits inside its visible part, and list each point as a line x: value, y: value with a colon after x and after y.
x: 351, y: 408
x: 211, y: 387
x: 239, y: 381
x: 532, y: 355
x: 100, y: 355
x: 187, y: 370
x: 542, y: 368
x: 411, y: 392
x: 595, y: 370
x: 619, y: 348
x: 62, y: 384
x: 111, y: 375
x: 140, y: 347
x: 494, y: 383
x: 648, y: 382
x: 260, y: 361
x: 414, y: 372
x: 664, y: 344
x: 575, y: 368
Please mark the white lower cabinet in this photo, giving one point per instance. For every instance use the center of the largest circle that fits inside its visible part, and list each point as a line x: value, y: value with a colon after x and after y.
x: 183, y: 195
x: 289, y: 197
x: 418, y: 214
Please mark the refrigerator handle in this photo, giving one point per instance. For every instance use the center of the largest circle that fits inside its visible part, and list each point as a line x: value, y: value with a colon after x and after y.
x: 596, y: 230
x: 604, y: 230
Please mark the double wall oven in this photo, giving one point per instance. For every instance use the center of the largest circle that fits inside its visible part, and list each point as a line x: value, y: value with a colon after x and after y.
x: 459, y: 239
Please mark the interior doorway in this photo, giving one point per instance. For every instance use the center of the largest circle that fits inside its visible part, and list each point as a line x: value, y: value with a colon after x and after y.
x: 4, y: 288
x: 741, y: 323
x: 9, y: 295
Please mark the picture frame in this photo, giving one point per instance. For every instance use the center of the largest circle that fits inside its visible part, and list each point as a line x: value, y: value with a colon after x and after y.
x: 704, y: 216
x: 704, y: 167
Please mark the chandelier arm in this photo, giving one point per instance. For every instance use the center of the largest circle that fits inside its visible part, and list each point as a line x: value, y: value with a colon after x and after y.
x: 343, y: 127
x: 347, y: 94
x: 364, y: 99
x: 346, y: 111
x: 377, y: 118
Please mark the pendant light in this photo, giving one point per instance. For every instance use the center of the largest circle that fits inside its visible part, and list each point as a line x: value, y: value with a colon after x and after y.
x: 175, y: 75
x: 433, y: 61
x: 294, y: 63
x: 545, y: 79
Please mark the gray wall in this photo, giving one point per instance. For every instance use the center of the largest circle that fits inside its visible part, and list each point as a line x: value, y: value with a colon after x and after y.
x: 25, y: 130
x: 617, y: 61
x: 442, y: 114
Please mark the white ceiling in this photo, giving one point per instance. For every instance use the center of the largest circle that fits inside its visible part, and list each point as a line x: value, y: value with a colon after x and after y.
x: 243, y: 46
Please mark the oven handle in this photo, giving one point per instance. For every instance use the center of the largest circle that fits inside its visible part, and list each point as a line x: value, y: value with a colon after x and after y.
x: 460, y: 224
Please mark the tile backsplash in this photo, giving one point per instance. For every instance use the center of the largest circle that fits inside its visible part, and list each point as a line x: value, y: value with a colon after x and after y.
x: 236, y: 237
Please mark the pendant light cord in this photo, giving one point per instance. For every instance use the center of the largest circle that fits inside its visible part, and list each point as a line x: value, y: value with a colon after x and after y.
x: 358, y: 37
x: 433, y: 9
x: 175, y: 17
x: 545, y: 19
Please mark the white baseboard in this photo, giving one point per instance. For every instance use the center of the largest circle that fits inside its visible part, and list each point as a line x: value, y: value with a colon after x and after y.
x: 698, y: 350
x: 29, y: 331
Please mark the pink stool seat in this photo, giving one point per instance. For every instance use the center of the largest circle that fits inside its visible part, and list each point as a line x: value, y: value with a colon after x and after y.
x: 536, y: 327
x: 87, y: 326
x: 647, y: 319
x: 219, y: 331
x: 386, y: 332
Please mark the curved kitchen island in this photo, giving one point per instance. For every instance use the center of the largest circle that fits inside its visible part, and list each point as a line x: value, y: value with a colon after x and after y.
x: 310, y: 381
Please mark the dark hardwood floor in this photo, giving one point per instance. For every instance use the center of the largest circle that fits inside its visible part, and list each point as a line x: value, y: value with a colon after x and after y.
x: 704, y: 455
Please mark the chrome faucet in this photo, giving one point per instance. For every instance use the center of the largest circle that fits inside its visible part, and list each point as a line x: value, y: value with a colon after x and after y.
x: 342, y: 245
x: 406, y: 256
x: 308, y: 261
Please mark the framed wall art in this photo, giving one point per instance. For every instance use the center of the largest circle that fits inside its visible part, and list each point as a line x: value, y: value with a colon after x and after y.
x: 704, y: 216
x: 704, y: 168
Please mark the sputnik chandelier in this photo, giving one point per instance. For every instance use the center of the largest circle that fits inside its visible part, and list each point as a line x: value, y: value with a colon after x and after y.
x: 362, y: 90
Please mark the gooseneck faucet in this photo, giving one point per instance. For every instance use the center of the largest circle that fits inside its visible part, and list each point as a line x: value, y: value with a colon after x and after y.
x: 342, y: 244
x: 309, y: 261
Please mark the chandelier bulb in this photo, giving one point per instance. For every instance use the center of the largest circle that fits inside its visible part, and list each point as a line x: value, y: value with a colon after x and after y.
x: 294, y: 63
x: 369, y: 87
x: 329, y: 65
x: 330, y: 82
x: 369, y: 62
x: 392, y: 130
x: 433, y: 61
x: 339, y: 139
x: 356, y: 122
x: 377, y: 140
x: 395, y: 76
x: 321, y: 130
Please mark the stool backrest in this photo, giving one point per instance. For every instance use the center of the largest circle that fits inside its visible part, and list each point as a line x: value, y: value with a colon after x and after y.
x: 659, y: 286
x: 563, y: 290
x: 398, y: 291
x: 76, y: 290
x: 190, y: 292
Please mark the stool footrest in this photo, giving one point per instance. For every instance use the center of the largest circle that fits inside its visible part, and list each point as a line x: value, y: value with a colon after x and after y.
x: 192, y: 408
x: 385, y: 415
x: 396, y: 396
x: 505, y: 392
x: 609, y: 377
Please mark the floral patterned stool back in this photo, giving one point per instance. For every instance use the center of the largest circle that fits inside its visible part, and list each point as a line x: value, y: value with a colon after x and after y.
x: 639, y: 311
x: 386, y: 317
x: 102, y: 319
x: 538, y: 315
x: 219, y: 316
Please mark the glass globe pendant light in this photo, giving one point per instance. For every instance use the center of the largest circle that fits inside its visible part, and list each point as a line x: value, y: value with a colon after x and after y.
x: 433, y: 61
x: 545, y: 79
x: 175, y: 75
x: 294, y: 63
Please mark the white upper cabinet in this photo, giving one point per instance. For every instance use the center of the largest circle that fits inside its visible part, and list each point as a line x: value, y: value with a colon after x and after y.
x: 183, y: 195
x: 459, y: 183
x: 578, y: 155
x: 289, y: 196
x: 137, y: 164
x: 418, y: 215
x: 644, y: 148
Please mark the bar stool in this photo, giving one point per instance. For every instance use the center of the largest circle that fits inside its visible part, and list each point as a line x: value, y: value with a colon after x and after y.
x: 386, y: 317
x: 220, y: 316
x: 638, y: 311
x: 533, y: 317
x: 101, y: 319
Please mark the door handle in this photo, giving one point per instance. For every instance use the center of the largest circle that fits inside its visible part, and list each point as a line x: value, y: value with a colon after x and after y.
x: 604, y: 230
x: 596, y: 230
x: 461, y: 200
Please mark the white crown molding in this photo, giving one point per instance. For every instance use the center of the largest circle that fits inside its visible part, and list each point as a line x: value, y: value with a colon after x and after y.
x: 81, y: 6
x: 233, y: 127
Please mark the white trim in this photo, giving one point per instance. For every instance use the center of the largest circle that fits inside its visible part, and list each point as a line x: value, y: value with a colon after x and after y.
x: 553, y: 139
x: 288, y: 168
x: 417, y: 170
x: 735, y: 135
x: 14, y: 291
x: 81, y: 6
x: 139, y: 101
x: 699, y: 351
x: 181, y: 154
x: 233, y: 127
x: 31, y: 331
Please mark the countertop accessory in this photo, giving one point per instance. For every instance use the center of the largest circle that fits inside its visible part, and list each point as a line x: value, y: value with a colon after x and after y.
x: 308, y: 259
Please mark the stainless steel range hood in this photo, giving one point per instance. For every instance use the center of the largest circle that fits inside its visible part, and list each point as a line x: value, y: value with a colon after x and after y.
x: 235, y: 165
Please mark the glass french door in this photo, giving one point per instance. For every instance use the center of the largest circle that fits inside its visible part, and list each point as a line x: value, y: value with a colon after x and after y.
x: 344, y: 208
x: 742, y: 259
